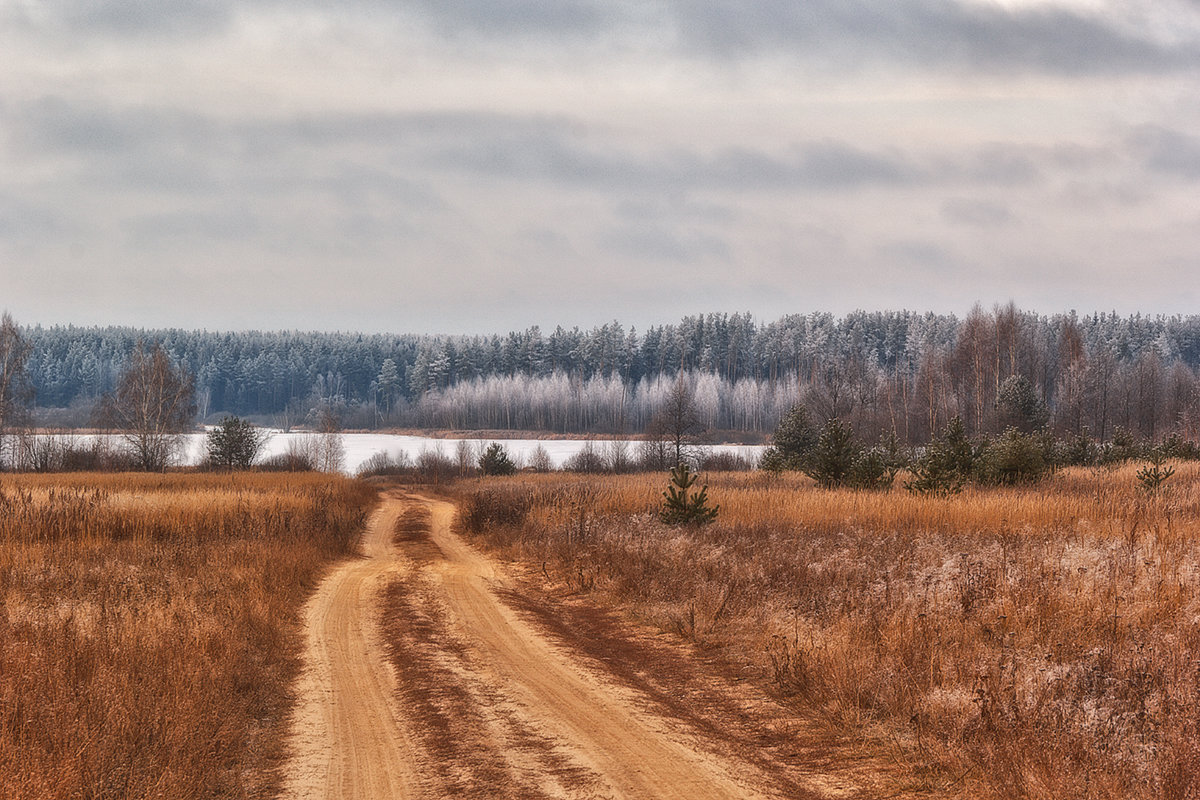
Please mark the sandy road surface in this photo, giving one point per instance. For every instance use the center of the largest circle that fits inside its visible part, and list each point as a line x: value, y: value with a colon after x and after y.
x: 348, y: 740
x: 542, y: 719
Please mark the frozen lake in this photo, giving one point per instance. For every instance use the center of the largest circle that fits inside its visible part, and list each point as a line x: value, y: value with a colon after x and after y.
x: 361, y: 446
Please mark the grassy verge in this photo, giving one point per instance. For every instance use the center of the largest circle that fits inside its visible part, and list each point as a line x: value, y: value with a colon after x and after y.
x: 149, y: 627
x: 1035, y: 642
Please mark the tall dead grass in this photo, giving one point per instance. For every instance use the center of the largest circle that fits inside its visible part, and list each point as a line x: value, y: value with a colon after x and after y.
x: 1041, y: 642
x: 149, y: 627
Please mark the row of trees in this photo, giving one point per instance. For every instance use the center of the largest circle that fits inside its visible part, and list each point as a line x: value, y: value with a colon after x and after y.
x: 899, y: 371
x: 152, y: 404
x: 833, y: 455
x: 888, y: 373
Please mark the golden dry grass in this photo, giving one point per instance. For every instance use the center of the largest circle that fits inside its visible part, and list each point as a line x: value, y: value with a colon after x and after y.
x: 149, y: 627
x: 1039, y: 642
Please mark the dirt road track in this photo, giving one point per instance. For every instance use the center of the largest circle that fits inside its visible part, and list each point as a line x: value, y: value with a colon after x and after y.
x: 348, y: 740
x: 355, y: 737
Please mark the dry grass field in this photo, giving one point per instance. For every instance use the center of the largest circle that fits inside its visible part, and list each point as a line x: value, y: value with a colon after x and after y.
x: 149, y: 627
x: 1039, y: 642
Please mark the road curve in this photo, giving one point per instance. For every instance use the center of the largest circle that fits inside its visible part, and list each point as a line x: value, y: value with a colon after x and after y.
x: 355, y: 736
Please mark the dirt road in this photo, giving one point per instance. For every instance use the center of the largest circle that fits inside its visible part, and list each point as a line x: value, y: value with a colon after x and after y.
x: 348, y: 739
x: 420, y: 681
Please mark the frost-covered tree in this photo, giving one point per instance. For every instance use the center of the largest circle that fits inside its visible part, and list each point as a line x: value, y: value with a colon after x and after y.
x: 16, y: 393
x: 153, y: 405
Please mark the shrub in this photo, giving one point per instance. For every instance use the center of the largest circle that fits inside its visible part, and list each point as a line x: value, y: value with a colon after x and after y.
x: 1123, y: 447
x: 589, y: 459
x: 492, y: 507
x: 434, y: 465
x: 234, y: 443
x: 725, y: 462
x: 381, y: 464
x: 871, y: 470
x: 539, y: 460
x: 1078, y: 450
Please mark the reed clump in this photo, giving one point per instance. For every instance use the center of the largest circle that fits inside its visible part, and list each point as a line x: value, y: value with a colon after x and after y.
x: 149, y: 627
x: 1031, y: 641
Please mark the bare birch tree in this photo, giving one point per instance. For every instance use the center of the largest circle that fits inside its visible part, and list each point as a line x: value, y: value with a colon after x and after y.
x: 153, y: 405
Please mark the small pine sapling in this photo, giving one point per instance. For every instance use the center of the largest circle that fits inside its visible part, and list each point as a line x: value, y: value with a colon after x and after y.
x: 680, y: 506
x: 1154, y: 476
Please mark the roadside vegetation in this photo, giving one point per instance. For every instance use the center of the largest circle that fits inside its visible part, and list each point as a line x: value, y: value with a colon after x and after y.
x: 150, y: 625
x: 1010, y: 640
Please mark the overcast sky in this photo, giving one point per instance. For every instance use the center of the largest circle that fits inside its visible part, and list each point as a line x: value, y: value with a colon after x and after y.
x: 463, y: 166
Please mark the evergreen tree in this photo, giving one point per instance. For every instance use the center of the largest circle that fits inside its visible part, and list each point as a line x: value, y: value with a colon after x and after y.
x: 495, y: 461
x: 1011, y: 458
x: 680, y: 506
x: 1154, y: 476
x: 793, y: 443
x: 832, y: 460
x: 946, y: 465
x: 1019, y: 406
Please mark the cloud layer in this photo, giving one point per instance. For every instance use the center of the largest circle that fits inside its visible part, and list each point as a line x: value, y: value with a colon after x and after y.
x: 466, y: 165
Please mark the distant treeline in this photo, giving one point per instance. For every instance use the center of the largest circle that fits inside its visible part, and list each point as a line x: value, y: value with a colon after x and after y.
x: 884, y: 371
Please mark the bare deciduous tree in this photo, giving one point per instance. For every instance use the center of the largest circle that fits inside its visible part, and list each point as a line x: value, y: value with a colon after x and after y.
x: 153, y: 405
x: 331, y: 452
x: 16, y: 393
x: 677, y: 422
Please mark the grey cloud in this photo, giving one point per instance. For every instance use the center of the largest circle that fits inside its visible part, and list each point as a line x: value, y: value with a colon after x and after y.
x: 54, y: 123
x: 124, y: 18
x: 1004, y: 164
x: 976, y: 213
x: 181, y: 151
x: 933, y: 34
x: 1167, y: 151
x: 21, y: 219
x: 532, y: 18
x: 229, y: 225
x: 919, y: 252
x: 929, y: 32
x: 96, y: 129
x: 547, y: 156
x: 675, y: 209
x: 190, y: 18
x: 661, y: 243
